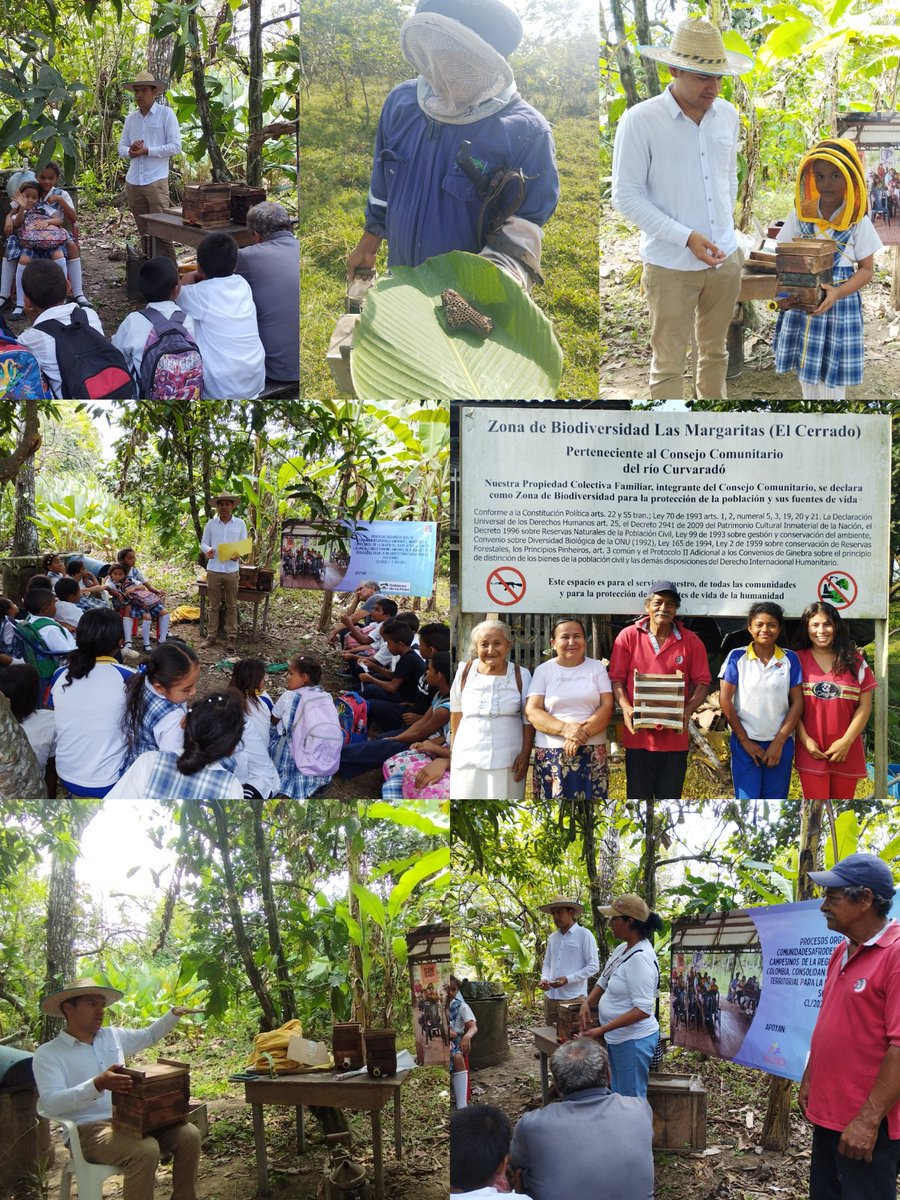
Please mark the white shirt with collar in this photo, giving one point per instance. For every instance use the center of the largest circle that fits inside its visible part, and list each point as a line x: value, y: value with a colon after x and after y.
x: 43, y: 345
x: 573, y: 954
x: 160, y: 134
x: 672, y: 176
x: 215, y: 533
x: 65, y: 1069
x: 131, y: 336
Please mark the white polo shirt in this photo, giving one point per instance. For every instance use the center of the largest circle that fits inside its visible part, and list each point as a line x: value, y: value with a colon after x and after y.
x: 573, y: 954
x: 90, y: 745
x: 65, y: 1069
x: 762, y: 697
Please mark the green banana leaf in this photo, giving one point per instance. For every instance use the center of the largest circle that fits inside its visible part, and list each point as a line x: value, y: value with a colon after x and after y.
x: 402, y: 350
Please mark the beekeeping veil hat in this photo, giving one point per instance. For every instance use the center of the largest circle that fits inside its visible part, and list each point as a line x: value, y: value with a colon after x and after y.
x: 840, y: 153
x: 459, y: 48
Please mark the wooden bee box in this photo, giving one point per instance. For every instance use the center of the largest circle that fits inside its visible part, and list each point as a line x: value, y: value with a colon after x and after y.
x: 347, y: 1045
x: 679, y: 1112
x: 243, y: 198
x: 568, y: 1017
x: 659, y: 701
x: 207, y: 204
x: 159, y: 1097
x: 381, y: 1052
x: 801, y: 267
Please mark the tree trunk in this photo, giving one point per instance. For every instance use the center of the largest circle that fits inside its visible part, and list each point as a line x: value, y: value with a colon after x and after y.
x: 27, y: 445
x: 747, y: 190
x: 25, y: 535
x: 358, y: 985
x: 623, y: 55
x: 20, y: 776
x: 609, y: 864
x: 220, y: 172
x: 254, y: 95
x: 172, y: 893
x: 159, y: 52
x: 61, y: 898
x: 276, y: 947
x: 642, y: 29
x: 648, y: 857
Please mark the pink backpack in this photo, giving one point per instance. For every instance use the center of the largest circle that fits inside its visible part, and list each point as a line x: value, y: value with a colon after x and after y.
x: 317, y: 737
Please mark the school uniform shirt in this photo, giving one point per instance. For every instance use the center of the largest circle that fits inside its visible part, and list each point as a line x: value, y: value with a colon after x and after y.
x: 630, y: 979
x: 282, y: 707
x: 160, y: 134
x: 154, y: 776
x: 70, y: 613
x: 408, y: 667
x: 637, y: 649
x: 489, y: 734
x: 40, y: 729
x: 570, y: 694
x: 54, y: 637
x: 672, y: 176
x: 460, y: 1014
x: 863, y: 239
x: 762, y: 698
x: 260, y: 712
x: 829, y: 703
x: 573, y: 954
x: 215, y: 532
x: 234, y: 361
x: 43, y: 346
x: 131, y: 337
x: 65, y: 1068
x: 90, y: 745
x: 261, y: 771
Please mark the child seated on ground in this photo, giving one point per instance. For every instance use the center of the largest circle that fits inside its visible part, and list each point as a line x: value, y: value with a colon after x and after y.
x: 46, y: 299
x: 365, y: 641
x: 39, y: 233
x: 248, y: 678
x: 157, y: 698
x: 221, y: 303
x: 67, y: 592
x: 307, y: 738
x: 8, y: 613
x: 143, y: 602
x: 54, y: 567
x: 158, y: 282
x: 213, y: 728
x: 21, y: 686
x: 389, y: 698
x: 40, y: 604
x: 91, y: 592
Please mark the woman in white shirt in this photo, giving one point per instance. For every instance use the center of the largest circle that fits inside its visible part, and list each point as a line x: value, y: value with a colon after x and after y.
x: 627, y: 990
x: 570, y: 703
x: 490, y: 736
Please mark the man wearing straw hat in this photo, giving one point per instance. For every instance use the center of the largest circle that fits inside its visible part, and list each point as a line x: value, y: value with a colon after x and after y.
x: 571, y: 958
x: 675, y: 177
x: 77, y: 1072
x: 222, y: 576
x: 149, y: 139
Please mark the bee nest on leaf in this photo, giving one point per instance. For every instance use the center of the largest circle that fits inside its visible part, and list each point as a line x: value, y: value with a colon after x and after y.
x: 459, y: 314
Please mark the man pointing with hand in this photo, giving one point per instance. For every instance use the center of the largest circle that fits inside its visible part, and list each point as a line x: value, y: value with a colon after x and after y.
x: 675, y: 177
x: 77, y: 1072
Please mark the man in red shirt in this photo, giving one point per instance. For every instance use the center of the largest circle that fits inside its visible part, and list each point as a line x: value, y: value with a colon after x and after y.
x: 657, y: 644
x: 850, y: 1089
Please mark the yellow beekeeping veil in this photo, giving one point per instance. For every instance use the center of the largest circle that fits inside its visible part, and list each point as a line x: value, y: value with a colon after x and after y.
x: 840, y: 153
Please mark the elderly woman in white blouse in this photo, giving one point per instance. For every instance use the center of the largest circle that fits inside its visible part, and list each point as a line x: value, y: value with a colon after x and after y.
x: 490, y: 737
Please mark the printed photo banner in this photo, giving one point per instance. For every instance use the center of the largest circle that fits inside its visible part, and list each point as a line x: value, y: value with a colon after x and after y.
x: 399, y: 554
x: 756, y: 1004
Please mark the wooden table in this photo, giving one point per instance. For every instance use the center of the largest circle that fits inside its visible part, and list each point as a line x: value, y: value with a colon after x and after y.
x: 170, y: 226
x: 755, y: 285
x: 328, y: 1090
x: 251, y: 595
x: 545, y: 1043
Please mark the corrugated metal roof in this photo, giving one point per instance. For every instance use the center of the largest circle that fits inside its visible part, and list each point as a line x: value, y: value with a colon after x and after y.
x: 720, y: 931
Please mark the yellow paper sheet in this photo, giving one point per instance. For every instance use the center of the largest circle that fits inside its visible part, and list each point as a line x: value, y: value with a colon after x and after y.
x: 230, y: 550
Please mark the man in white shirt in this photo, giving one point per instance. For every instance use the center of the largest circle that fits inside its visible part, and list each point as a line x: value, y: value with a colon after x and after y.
x: 149, y: 139
x: 77, y: 1072
x: 571, y: 958
x: 675, y: 177
x: 222, y: 576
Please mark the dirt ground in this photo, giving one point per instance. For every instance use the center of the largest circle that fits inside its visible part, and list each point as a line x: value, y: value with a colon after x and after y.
x: 625, y: 334
x: 733, y: 1166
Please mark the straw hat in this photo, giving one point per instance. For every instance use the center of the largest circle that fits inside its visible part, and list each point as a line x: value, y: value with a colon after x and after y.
x: 562, y: 902
x: 78, y: 987
x: 627, y: 905
x: 143, y: 80
x: 697, y: 46
x: 226, y: 496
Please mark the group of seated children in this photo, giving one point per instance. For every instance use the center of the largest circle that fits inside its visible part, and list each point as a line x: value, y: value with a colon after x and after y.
x: 35, y: 228
x: 197, y: 337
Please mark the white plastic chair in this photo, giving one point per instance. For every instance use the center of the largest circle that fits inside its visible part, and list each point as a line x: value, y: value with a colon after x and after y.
x: 88, y: 1176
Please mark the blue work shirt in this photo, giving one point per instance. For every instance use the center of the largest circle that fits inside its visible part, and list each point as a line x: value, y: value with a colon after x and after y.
x: 423, y: 203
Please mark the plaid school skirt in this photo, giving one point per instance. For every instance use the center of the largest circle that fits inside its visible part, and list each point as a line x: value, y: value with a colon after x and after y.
x: 829, y: 348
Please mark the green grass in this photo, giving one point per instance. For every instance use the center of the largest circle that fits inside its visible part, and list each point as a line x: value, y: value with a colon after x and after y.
x: 335, y: 160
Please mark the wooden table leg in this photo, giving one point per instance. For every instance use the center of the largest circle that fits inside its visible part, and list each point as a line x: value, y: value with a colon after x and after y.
x: 301, y: 1131
x: 377, y: 1155
x: 545, y: 1082
x: 255, y: 616
x: 202, y: 613
x: 262, y: 1162
x: 398, y: 1132
x: 266, y: 612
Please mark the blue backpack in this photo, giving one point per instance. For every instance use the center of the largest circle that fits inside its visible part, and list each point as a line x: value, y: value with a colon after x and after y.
x: 20, y: 373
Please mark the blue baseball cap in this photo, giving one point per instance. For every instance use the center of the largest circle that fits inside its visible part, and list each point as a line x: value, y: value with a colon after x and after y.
x: 858, y: 870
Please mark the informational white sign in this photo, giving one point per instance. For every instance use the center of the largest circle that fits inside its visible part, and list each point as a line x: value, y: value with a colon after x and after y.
x: 566, y: 510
